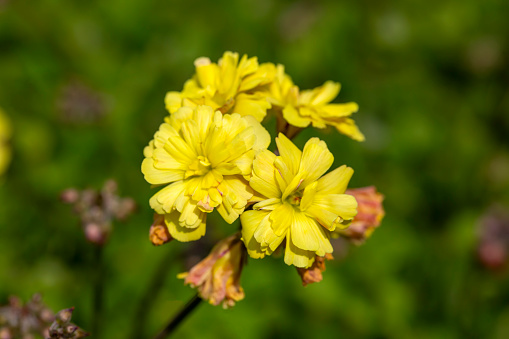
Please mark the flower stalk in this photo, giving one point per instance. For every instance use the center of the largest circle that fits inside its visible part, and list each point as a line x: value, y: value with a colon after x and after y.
x: 179, y: 317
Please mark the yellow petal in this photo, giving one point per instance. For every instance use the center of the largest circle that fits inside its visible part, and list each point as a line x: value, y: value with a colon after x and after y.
x: 316, y: 160
x: 228, y: 73
x: 263, y: 179
x: 164, y: 200
x: 264, y: 234
x: 159, y: 176
x: 303, y: 234
x: 243, y: 164
x: 264, y: 74
x: 184, y: 234
x: 163, y: 160
x: 165, y: 132
x: 191, y: 135
x: 180, y: 150
x: 262, y: 135
x: 347, y: 127
x: 148, y: 151
x: 255, y: 105
x: 292, y: 116
x: 180, y: 116
x: 247, y: 66
x: 295, y: 184
x: 282, y: 218
x: 267, y: 204
x: 283, y: 174
x: 206, y: 72
x: 308, y: 235
x: 339, y: 110
x: 308, y: 196
x: 191, y: 216
x: 290, y: 153
x: 296, y: 256
x: 335, y: 182
x: 203, y: 117
x: 235, y: 195
x: 250, y: 221
x: 326, y: 93
x: 342, y: 205
x: 173, y: 101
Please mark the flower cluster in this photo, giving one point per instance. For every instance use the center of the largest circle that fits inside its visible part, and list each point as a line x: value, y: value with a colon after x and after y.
x: 18, y: 320
x: 98, y: 209
x: 211, y: 153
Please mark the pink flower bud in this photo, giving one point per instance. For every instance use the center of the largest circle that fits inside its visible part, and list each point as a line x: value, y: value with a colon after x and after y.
x: 217, y: 277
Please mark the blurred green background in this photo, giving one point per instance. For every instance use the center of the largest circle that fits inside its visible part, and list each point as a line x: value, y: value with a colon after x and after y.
x: 83, y: 83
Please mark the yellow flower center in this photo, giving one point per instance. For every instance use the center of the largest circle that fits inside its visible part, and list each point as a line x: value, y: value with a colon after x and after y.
x: 295, y: 198
x: 200, y: 166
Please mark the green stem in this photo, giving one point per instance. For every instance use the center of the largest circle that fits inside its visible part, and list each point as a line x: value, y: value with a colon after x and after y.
x: 98, y: 296
x: 150, y: 296
x: 183, y: 313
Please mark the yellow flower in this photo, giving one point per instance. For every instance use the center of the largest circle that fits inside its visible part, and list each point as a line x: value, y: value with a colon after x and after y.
x: 229, y: 86
x: 295, y: 202
x: 5, y: 135
x: 217, y: 277
x: 300, y: 109
x: 371, y: 213
x: 205, y: 159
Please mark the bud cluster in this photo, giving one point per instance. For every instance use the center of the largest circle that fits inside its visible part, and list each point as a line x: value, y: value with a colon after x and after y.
x: 493, y: 248
x: 97, y: 210
x: 62, y: 328
x: 34, y: 319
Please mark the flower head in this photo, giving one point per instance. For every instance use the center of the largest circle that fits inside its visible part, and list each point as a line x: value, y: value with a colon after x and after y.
x: 302, y: 108
x: 204, y: 158
x: 231, y: 86
x: 217, y: 277
x: 296, y: 203
x: 5, y: 134
x: 369, y: 216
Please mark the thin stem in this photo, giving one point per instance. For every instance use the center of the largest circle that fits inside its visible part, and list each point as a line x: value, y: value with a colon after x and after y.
x: 183, y: 313
x: 150, y: 296
x: 98, y: 292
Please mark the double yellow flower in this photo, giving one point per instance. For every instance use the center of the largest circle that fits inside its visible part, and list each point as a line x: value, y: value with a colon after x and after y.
x: 211, y: 153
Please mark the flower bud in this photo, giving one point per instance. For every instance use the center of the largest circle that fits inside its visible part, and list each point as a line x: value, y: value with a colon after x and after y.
x: 369, y: 214
x: 493, y: 248
x: 64, y: 316
x: 159, y: 233
x: 70, y: 196
x: 217, y: 277
x: 313, y: 274
x: 79, y: 333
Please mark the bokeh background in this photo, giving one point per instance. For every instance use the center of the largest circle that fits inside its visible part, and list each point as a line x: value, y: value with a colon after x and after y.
x: 83, y: 83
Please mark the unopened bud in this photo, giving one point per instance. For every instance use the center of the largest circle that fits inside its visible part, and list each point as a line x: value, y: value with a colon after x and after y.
x: 159, y: 233
x: 64, y: 316
x: 5, y: 333
x: 70, y: 196
x: 46, y: 315
x: 70, y: 329
x: 80, y: 334
x: 217, y: 277
x: 313, y: 274
x: 95, y: 233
